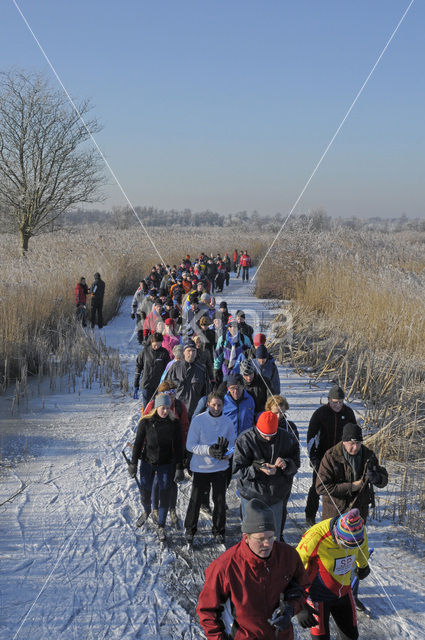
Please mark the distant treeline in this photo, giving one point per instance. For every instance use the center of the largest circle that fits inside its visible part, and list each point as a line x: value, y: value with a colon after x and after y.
x: 316, y: 220
x: 124, y: 218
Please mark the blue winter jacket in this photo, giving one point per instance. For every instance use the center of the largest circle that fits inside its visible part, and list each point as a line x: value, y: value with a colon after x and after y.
x: 241, y: 412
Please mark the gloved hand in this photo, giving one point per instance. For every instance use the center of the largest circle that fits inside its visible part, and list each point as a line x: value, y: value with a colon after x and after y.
x: 179, y: 475
x: 306, y: 618
x: 224, y: 444
x: 133, y: 315
x: 363, y: 572
x: 257, y: 464
x: 219, y: 449
x: 132, y: 469
x: 281, y: 618
x: 293, y: 591
x: 215, y: 451
x: 373, y: 476
x: 136, y: 393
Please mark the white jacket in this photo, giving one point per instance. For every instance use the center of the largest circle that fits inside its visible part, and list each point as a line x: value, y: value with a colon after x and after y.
x: 203, y: 432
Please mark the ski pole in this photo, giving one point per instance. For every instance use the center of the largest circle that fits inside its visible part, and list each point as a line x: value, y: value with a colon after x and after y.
x: 355, y: 580
x: 128, y: 461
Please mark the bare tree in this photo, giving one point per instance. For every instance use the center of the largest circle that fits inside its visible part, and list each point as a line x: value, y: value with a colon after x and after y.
x: 46, y: 162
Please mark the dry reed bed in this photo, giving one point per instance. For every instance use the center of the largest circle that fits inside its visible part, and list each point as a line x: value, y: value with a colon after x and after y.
x: 37, y: 310
x: 357, y: 317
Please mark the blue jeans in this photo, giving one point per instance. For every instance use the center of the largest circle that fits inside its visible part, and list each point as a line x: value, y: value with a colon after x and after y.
x: 173, y: 492
x: 277, y: 509
x: 165, y: 473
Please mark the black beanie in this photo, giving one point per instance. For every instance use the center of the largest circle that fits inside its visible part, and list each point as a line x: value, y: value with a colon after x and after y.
x: 336, y: 393
x: 261, y: 352
x: 258, y: 517
x: 352, y: 431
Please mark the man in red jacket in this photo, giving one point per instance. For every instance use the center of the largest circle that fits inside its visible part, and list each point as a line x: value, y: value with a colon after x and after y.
x: 254, y: 588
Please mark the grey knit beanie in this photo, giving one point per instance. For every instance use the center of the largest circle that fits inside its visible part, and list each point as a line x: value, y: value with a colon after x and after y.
x: 258, y: 517
x: 162, y: 400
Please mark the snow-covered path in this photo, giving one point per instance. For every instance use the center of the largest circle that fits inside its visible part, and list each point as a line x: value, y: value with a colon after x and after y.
x: 72, y: 564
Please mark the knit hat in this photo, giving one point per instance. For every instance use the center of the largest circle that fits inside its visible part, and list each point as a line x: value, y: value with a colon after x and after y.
x: 205, y: 297
x: 349, y: 529
x: 258, y: 339
x: 352, y: 431
x: 189, y: 344
x: 258, y: 517
x: 162, y: 400
x: 336, y: 393
x: 232, y: 322
x: 267, y: 423
x: 261, y: 352
x: 234, y: 378
x: 247, y: 367
x: 157, y: 337
x: 223, y: 305
x: 170, y: 322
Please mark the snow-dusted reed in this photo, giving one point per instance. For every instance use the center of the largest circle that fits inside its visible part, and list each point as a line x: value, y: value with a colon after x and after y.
x: 37, y: 310
x: 357, y: 316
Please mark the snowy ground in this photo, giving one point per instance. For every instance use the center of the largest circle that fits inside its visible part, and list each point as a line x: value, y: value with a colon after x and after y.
x: 72, y: 564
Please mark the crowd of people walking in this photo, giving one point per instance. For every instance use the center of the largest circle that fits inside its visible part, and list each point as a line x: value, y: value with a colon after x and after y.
x: 212, y: 411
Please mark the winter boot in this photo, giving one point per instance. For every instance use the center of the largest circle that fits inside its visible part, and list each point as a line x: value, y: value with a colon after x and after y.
x: 142, y: 519
x: 173, y: 517
x: 161, y: 534
x: 155, y: 515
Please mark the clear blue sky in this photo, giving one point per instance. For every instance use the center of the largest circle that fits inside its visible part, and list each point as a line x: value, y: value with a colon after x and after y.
x: 229, y: 104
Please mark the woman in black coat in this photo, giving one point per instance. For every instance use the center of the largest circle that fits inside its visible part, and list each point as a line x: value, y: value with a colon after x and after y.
x: 158, y: 446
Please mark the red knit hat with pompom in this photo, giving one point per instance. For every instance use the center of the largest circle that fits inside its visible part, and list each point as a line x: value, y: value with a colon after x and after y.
x: 267, y: 423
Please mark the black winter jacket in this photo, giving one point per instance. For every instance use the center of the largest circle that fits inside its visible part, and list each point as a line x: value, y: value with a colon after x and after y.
x: 158, y: 441
x: 252, y: 482
x: 152, y: 364
x: 97, y: 291
x: 257, y: 388
x: 325, y: 430
x: 192, y: 382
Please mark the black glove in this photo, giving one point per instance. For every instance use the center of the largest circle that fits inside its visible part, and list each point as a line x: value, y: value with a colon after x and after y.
x: 132, y: 469
x: 133, y: 315
x: 224, y: 444
x: 218, y: 450
x: 179, y: 475
x: 306, y: 618
x: 373, y: 476
x: 293, y: 591
x: 257, y: 464
x: 363, y: 572
x: 281, y: 618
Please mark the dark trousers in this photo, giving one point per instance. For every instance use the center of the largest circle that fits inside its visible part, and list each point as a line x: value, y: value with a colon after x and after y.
x: 164, y: 473
x: 245, y: 273
x: 343, y: 611
x: 312, y: 499
x: 201, y: 483
x: 96, y: 310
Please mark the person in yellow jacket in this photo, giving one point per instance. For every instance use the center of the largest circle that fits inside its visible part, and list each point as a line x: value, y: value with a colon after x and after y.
x: 329, y: 552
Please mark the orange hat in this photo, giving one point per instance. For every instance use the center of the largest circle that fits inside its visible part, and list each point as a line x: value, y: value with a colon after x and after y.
x: 267, y: 423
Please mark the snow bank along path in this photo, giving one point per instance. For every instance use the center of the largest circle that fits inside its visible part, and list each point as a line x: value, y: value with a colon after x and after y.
x: 72, y: 564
